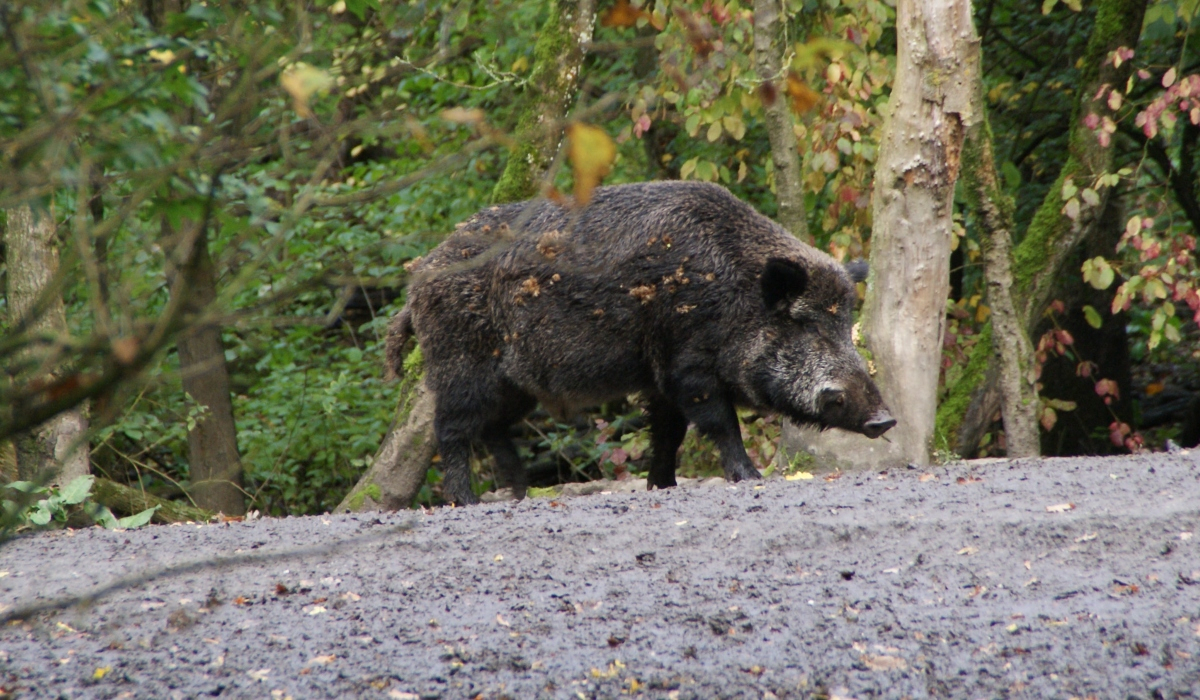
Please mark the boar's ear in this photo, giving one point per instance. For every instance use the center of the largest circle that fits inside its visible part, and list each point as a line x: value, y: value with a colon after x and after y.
x: 858, y: 270
x: 782, y: 279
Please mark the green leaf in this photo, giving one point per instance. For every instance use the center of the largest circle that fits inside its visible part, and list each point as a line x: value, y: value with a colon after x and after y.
x: 42, y: 515
x: 1012, y: 176
x: 1068, y: 189
x: 1048, y: 5
x: 104, y: 518
x: 686, y: 169
x: 26, y: 487
x: 77, y: 490
x: 1092, y: 316
x: 137, y: 520
x: 359, y: 7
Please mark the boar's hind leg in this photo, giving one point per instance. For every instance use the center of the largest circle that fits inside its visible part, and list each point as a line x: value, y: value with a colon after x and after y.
x: 510, y: 471
x: 667, y: 429
x: 482, y: 412
x: 717, y: 420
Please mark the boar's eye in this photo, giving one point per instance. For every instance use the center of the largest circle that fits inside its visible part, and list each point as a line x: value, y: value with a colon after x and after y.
x: 782, y: 280
x: 831, y: 396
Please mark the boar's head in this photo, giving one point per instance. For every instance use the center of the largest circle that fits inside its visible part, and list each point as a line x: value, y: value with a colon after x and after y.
x: 806, y: 365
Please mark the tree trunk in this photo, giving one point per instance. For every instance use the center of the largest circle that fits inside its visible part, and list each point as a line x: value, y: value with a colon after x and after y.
x: 56, y: 450
x: 1010, y: 340
x: 398, y: 470
x: 905, y: 311
x: 1052, y: 236
x: 769, y: 48
x: 557, y: 63
x: 215, y: 468
x: 408, y: 448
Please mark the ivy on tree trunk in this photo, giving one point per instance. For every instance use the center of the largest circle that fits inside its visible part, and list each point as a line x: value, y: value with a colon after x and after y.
x: 1052, y: 236
x: 1010, y: 340
x: 553, y: 82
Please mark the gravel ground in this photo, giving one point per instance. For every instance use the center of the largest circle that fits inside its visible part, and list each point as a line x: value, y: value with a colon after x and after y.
x: 1052, y: 578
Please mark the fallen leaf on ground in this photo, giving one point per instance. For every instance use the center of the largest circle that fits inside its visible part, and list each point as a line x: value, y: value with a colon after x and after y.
x: 501, y: 621
x: 1060, y: 508
x: 883, y: 663
x: 968, y: 551
x: 323, y: 659
x: 259, y: 675
x: 799, y: 476
x: 1086, y: 537
x: 316, y: 610
x: 928, y: 477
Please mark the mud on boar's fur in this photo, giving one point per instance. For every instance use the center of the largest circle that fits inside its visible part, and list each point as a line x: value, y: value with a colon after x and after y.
x: 675, y: 290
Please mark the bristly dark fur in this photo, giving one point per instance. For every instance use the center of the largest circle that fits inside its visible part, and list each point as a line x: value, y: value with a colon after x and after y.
x: 676, y: 290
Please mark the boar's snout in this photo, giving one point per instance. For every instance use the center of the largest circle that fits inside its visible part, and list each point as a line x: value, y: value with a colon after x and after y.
x: 878, y: 424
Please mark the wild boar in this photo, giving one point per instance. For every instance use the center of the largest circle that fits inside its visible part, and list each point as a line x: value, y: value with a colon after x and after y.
x: 677, y: 291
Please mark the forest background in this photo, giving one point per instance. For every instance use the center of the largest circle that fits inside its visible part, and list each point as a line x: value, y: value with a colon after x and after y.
x: 232, y: 191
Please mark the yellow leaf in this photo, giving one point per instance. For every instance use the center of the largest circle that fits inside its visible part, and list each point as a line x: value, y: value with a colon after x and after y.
x: 1060, y: 508
x: 622, y: 14
x: 803, y: 97
x: 982, y: 312
x: 302, y: 81
x: 799, y: 476
x: 101, y: 672
x: 592, y: 153
x: 459, y: 115
x: 164, y: 56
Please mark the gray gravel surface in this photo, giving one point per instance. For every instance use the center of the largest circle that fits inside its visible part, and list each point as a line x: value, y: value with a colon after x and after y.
x: 1043, y: 578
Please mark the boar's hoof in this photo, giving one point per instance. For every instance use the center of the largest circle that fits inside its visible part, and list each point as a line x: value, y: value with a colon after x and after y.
x: 878, y: 424
x: 742, y: 474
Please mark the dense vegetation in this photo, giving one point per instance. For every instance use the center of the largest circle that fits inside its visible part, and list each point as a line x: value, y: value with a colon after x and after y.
x: 319, y: 147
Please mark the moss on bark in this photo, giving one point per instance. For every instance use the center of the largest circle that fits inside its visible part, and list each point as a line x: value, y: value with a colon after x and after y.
x: 1047, y: 244
x: 557, y: 60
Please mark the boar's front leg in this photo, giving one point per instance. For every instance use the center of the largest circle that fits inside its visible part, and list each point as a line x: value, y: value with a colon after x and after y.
x: 668, y: 426
x: 717, y: 420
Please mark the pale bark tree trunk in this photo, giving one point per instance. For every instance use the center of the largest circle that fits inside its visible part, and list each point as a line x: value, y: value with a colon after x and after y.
x: 769, y: 49
x: 406, y: 453
x: 905, y: 311
x: 215, y: 467
x: 1052, y: 237
x: 56, y: 450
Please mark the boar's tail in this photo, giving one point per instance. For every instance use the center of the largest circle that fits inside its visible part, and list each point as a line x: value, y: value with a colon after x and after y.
x: 398, y: 333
